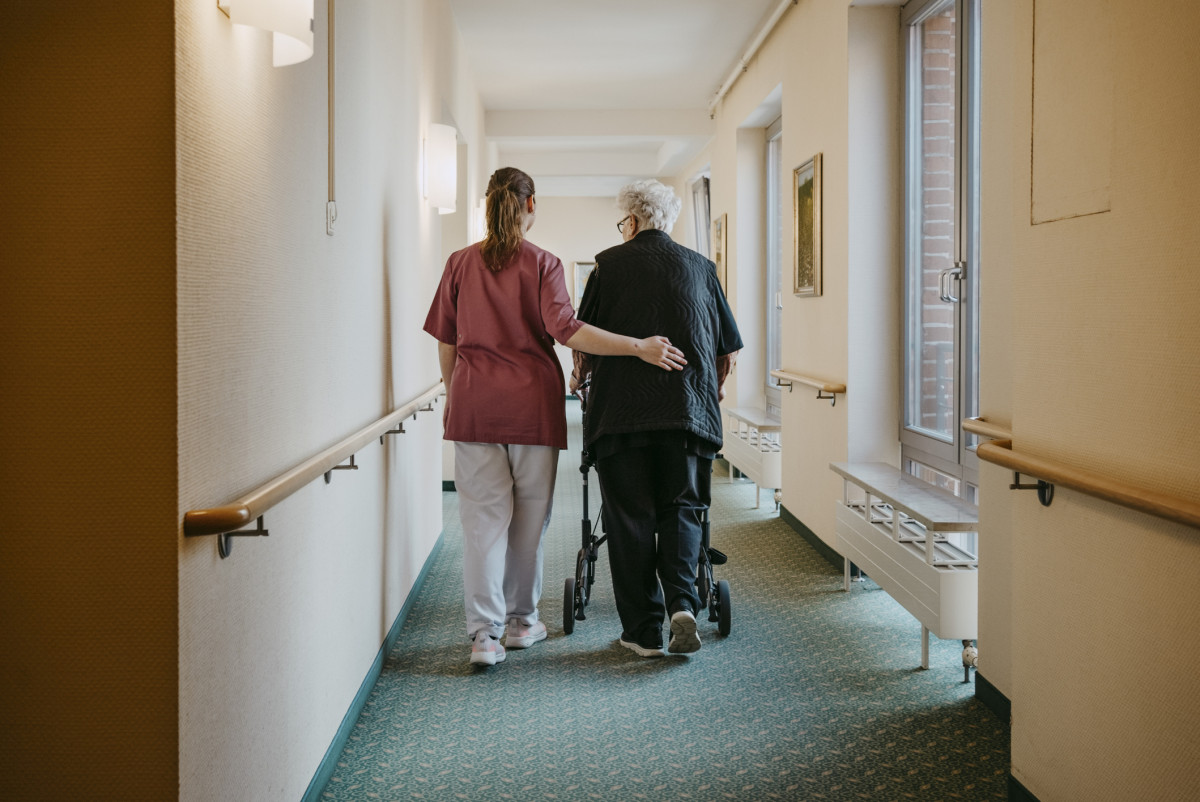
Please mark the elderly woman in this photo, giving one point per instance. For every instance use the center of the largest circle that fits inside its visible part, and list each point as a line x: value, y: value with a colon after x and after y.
x: 653, y: 434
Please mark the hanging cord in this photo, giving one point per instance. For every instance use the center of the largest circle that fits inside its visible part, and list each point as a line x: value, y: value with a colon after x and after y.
x: 331, y: 205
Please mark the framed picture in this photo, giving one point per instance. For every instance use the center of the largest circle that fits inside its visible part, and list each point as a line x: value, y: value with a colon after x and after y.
x: 720, y: 246
x: 806, y: 227
x: 583, y: 271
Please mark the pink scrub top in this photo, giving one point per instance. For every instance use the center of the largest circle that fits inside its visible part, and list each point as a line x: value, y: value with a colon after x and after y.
x: 507, y: 385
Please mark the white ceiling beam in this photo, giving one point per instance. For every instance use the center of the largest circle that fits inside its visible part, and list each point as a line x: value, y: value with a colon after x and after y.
x: 582, y: 186
x: 635, y: 123
x: 547, y: 163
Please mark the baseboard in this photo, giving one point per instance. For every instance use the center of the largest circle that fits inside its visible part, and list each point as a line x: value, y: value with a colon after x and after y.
x: 822, y: 548
x: 1018, y: 792
x: 329, y: 762
x: 448, y: 486
x: 991, y: 698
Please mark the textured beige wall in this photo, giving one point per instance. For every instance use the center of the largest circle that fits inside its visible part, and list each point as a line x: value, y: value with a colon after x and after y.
x: 87, y: 403
x: 1105, y: 370
x: 289, y: 340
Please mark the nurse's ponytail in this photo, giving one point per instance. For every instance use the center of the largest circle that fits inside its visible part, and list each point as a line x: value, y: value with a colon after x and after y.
x: 507, y: 194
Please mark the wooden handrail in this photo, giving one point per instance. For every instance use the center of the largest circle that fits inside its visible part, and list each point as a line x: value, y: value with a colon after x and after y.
x: 787, y: 378
x: 243, y: 511
x: 1161, y: 505
x: 985, y: 428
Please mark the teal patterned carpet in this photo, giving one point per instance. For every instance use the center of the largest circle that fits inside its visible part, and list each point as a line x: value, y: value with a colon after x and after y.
x: 814, y: 695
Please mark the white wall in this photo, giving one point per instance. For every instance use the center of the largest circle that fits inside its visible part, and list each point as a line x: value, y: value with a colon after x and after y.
x: 574, y: 229
x: 832, y: 71
x: 748, y: 250
x: 1104, y: 374
x: 875, y: 234
x: 289, y: 340
x: 999, y: 203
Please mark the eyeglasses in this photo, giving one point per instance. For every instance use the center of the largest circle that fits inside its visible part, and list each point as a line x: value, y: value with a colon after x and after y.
x: 623, y: 221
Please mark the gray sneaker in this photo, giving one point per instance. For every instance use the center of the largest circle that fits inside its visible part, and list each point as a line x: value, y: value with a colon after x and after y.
x: 684, y: 639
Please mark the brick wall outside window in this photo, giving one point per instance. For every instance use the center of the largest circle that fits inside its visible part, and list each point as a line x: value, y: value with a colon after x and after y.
x: 937, y: 222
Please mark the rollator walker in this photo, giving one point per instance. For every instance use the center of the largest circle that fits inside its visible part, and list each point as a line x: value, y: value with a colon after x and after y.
x: 577, y: 590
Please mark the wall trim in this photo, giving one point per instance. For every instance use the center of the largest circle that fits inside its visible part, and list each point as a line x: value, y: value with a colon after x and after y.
x: 822, y: 548
x: 342, y: 737
x: 1018, y: 792
x: 991, y: 698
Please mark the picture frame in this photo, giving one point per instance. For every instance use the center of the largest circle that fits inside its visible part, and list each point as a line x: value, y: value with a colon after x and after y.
x: 806, y: 228
x: 720, y: 242
x: 581, y: 271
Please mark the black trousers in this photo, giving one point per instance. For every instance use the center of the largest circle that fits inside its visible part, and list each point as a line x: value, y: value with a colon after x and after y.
x: 652, y: 490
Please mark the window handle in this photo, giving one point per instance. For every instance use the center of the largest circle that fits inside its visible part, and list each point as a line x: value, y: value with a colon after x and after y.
x: 946, y: 279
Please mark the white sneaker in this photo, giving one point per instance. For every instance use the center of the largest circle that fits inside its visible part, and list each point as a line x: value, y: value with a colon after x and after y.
x: 520, y: 636
x: 684, y: 639
x: 486, y: 650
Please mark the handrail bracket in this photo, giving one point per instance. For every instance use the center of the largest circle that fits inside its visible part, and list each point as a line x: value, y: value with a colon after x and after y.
x: 832, y: 397
x: 1045, y: 490
x: 225, y: 545
x: 398, y: 430
x: 782, y: 383
x: 350, y: 466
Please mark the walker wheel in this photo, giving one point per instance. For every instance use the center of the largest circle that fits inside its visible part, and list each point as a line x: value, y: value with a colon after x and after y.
x: 723, y: 603
x: 569, y: 605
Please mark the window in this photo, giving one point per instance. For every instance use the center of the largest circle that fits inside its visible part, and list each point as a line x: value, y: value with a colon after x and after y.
x: 941, y: 370
x: 775, y: 247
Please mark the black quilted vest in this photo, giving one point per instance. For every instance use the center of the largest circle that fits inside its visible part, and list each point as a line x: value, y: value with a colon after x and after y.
x: 647, y: 286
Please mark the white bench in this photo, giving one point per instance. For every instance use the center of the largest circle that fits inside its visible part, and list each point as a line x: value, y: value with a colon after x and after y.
x: 752, y: 446
x: 916, y: 541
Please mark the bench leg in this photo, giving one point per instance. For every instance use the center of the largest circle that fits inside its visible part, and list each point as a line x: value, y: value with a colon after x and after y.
x: 924, y: 646
x: 970, y: 657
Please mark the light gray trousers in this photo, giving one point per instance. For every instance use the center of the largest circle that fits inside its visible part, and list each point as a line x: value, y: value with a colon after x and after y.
x: 505, y: 493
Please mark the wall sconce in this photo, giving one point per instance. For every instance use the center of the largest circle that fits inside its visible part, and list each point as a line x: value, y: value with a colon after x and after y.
x: 441, y: 168
x: 291, y: 22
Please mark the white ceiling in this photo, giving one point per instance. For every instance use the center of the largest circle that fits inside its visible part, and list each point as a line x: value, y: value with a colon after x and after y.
x: 585, y: 96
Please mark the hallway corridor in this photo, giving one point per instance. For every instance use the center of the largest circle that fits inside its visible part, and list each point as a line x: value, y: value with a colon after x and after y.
x: 813, y: 695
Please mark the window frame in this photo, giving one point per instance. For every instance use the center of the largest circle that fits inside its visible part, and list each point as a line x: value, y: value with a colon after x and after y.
x: 954, y: 457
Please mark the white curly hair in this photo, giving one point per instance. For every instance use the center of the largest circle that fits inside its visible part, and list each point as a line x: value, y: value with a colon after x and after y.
x: 654, y: 204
